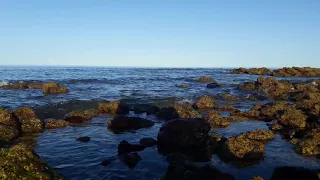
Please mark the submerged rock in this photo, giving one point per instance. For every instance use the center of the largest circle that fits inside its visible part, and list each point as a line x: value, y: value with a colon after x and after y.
x: 206, y: 79
x: 123, y: 123
x: 148, y: 142
x: 178, y: 111
x: 9, y: 125
x: 145, y: 108
x: 53, y: 123
x: 183, y: 85
x: 294, y: 173
x: 193, y: 172
x: 130, y: 159
x: 114, y: 107
x: 204, y: 102
x: 79, y: 116
x: 21, y: 162
x: 228, y: 96
x: 241, y: 148
x: 53, y: 88
x: 125, y: 147
x: 213, y: 85
x: 187, y: 136
x: 83, y: 139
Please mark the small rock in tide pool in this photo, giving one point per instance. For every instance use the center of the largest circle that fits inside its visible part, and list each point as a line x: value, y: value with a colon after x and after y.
x: 125, y: 147
x: 148, y: 142
x: 83, y: 139
x: 131, y: 159
x: 105, y: 162
x: 213, y: 85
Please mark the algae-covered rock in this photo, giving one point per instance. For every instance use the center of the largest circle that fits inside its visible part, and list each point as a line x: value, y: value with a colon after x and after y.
x: 25, y: 112
x: 53, y: 88
x: 228, y: 96
x: 206, y: 79
x: 293, y: 118
x: 21, y: 162
x: 9, y: 125
x: 256, y: 71
x: 241, y: 148
x: 178, y: 111
x: 113, y: 107
x: 259, y: 135
x: 257, y: 178
x: 79, y: 116
x: 225, y: 108
x: 55, y: 123
x: 204, y: 102
x: 215, y: 119
x: 309, y: 146
x: 31, y: 125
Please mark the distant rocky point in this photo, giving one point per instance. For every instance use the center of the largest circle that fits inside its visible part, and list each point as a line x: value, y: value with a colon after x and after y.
x: 283, y: 72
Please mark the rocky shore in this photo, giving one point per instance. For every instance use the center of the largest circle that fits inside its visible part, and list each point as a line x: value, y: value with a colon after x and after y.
x: 185, y: 137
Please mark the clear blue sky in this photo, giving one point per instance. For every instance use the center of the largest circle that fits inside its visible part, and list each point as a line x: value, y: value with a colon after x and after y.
x: 171, y: 33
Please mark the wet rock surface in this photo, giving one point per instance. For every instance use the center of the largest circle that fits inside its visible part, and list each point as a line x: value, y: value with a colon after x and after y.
x: 9, y: 125
x: 115, y: 107
x: 148, y: 142
x: 55, y: 123
x: 130, y: 159
x: 53, y: 88
x: 83, y: 139
x: 125, y: 147
x: 204, y: 102
x: 215, y: 119
x: 178, y: 111
x: 204, y: 79
x: 123, y: 123
x: 79, y: 116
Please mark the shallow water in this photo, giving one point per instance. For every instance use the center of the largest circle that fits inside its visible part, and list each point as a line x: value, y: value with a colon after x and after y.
x: 77, y: 160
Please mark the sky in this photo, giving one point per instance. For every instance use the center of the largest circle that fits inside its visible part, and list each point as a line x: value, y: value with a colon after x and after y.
x: 160, y: 33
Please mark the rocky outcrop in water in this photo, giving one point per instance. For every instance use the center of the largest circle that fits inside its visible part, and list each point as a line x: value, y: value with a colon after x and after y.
x: 21, y: 162
x: 55, y: 123
x: 79, y: 116
x: 309, y: 146
x: 130, y: 159
x: 113, y: 107
x: 213, y: 85
x: 204, y: 79
x: 125, y: 147
x: 188, y: 136
x: 148, y: 142
x: 178, y: 111
x: 53, y: 88
x: 28, y: 120
x: 283, y: 72
x: 9, y: 125
x: 124, y: 123
x: 183, y: 85
x: 215, y: 119
x: 204, y: 102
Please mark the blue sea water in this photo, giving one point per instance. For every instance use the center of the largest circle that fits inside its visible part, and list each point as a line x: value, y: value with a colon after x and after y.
x: 76, y: 160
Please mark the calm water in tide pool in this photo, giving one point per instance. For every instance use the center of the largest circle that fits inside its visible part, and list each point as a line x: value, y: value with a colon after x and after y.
x: 76, y: 160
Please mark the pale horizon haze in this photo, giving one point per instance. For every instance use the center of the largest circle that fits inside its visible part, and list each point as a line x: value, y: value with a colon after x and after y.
x: 167, y: 33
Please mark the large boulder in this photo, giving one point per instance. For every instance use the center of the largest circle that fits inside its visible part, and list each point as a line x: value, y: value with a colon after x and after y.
x: 55, y: 123
x: 193, y: 172
x: 178, y: 111
x: 188, y: 136
x: 113, y: 107
x: 28, y: 120
x: 204, y: 79
x: 79, y: 116
x: 9, y: 125
x: 241, y: 148
x: 309, y: 146
x: 215, y: 119
x: 124, y: 123
x: 294, y: 173
x: 204, y: 102
x: 53, y: 88
x: 21, y: 162
x: 292, y: 118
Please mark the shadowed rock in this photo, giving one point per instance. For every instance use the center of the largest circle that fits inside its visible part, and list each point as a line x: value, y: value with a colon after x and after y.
x: 294, y: 173
x: 9, y: 125
x: 148, y: 142
x: 125, y: 147
x: 25, y: 112
x: 178, y: 111
x: 83, y: 139
x: 130, y: 159
x: 123, y: 123
x: 213, y: 85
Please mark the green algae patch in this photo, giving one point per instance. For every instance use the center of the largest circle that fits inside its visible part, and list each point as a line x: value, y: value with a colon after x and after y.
x: 21, y: 162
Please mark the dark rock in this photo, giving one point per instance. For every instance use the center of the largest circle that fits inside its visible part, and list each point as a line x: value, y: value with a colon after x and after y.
x: 176, y: 158
x: 153, y: 110
x: 54, y: 123
x: 193, y: 172
x: 114, y: 107
x: 83, y: 139
x: 187, y: 136
x: 148, y: 142
x: 213, y: 85
x: 125, y: 147
x: 53, y: 88
x: 206, y: 79
x: 204, y: 102
x: 130, y: 159
x: 106, y: 162
x: 294, y: 173
x: 79, y: 116
x: 178, y: 111
x: 124, y: 123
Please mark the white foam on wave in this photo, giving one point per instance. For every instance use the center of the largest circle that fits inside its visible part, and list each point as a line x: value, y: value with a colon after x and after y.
x: 3, y: 82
